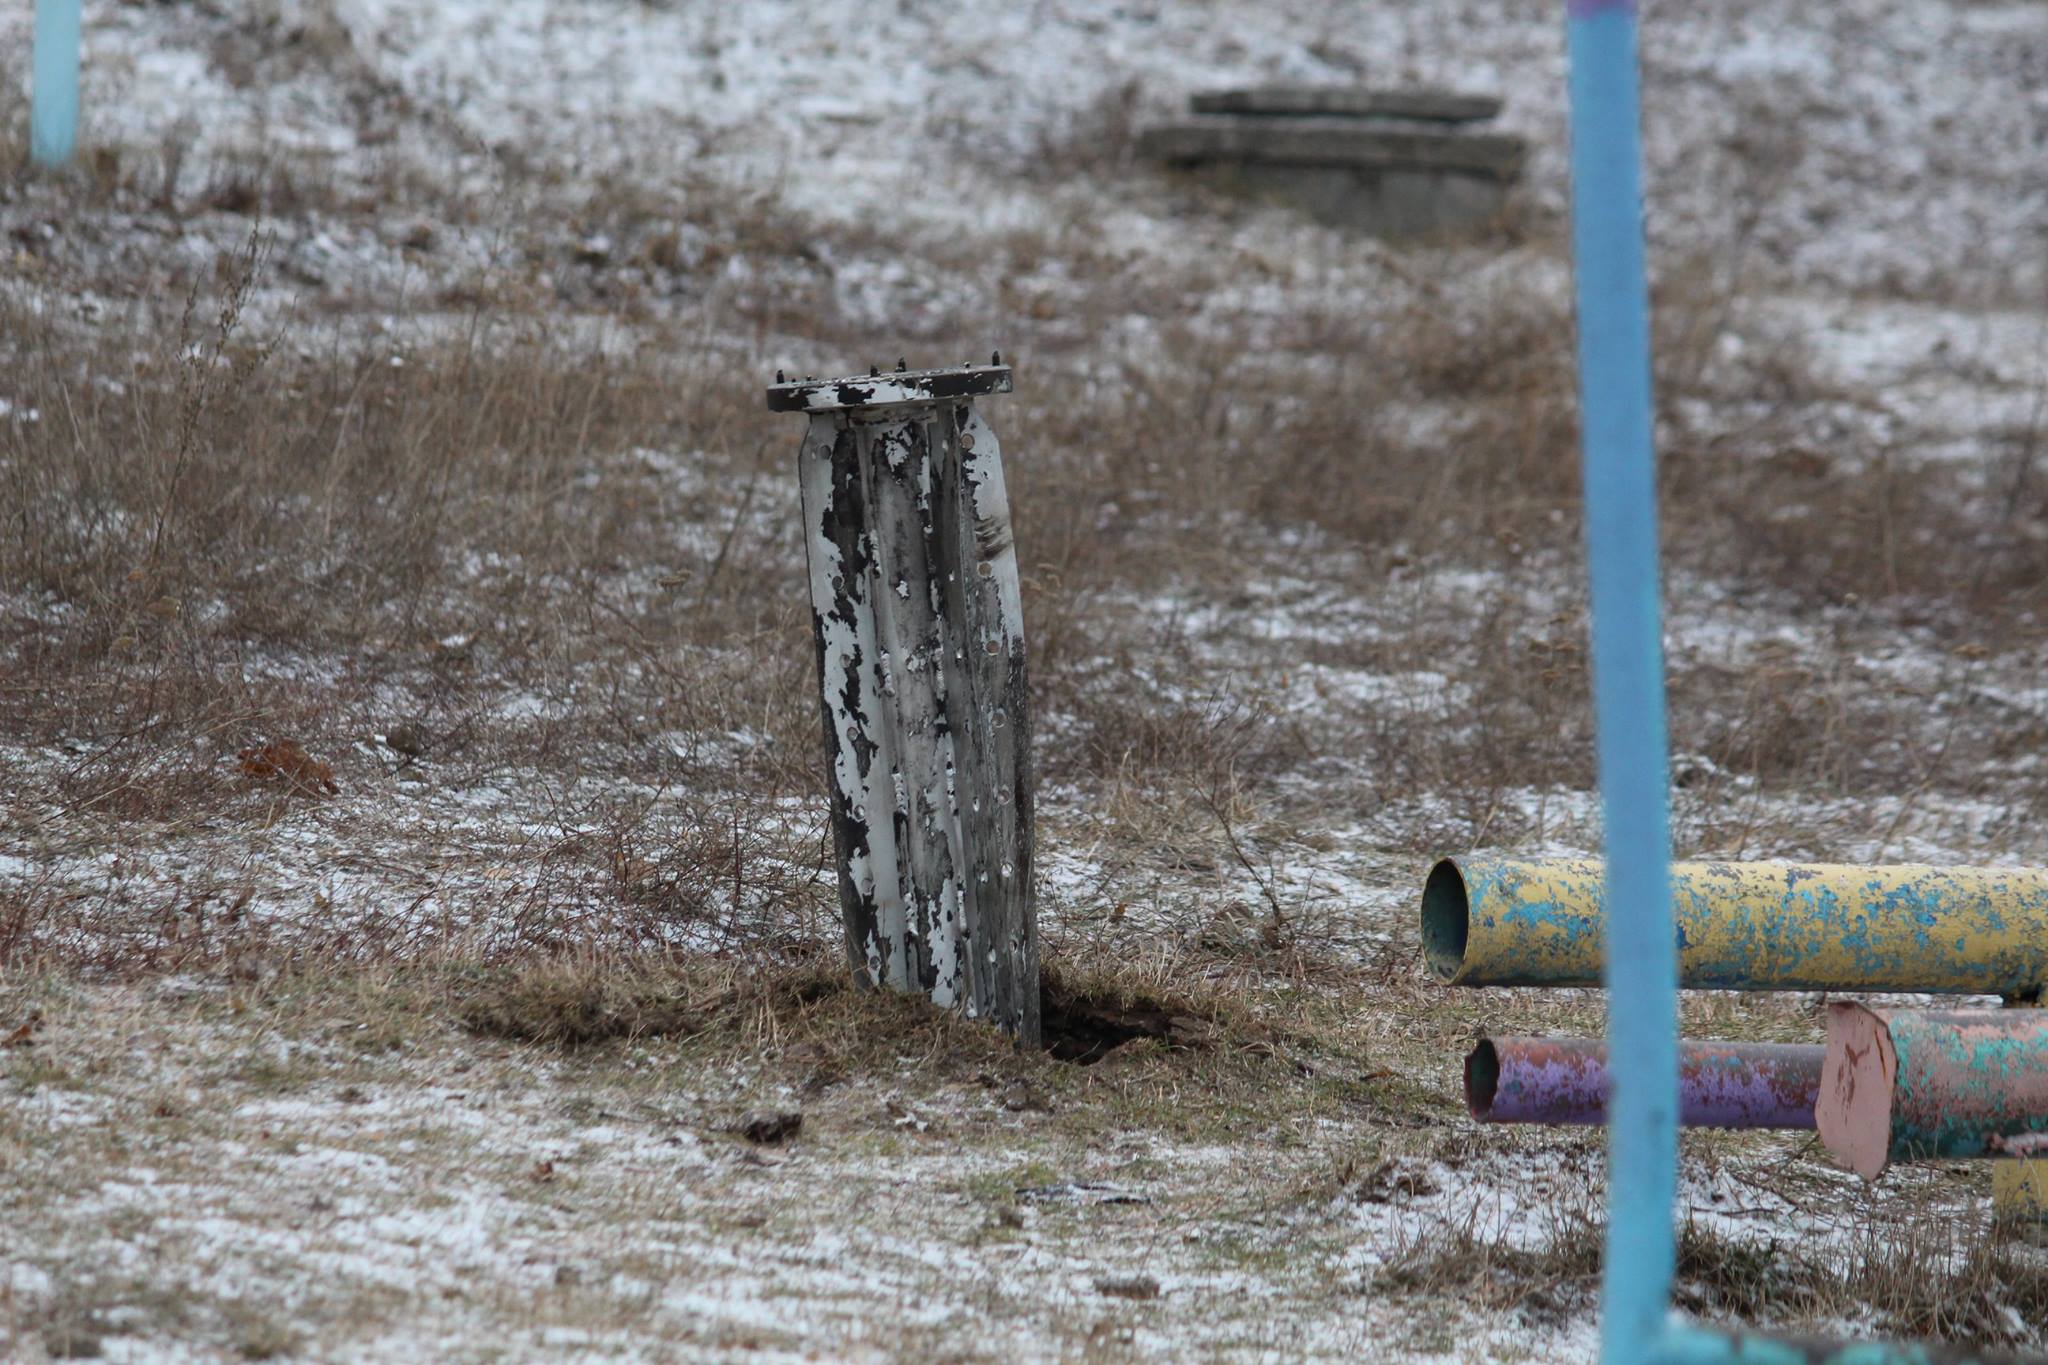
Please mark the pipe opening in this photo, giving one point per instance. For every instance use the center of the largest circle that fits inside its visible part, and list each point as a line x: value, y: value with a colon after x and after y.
x: 1446, y: 917
x: 1482, y: 1079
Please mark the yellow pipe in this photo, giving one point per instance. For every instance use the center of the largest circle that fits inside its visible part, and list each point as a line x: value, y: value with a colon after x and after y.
x: 1490, y: 921
x: 2019, y: 1189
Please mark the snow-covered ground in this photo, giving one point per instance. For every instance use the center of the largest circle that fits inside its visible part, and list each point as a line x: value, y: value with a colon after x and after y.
x: 1878, y: 145
x: 207, y: 1162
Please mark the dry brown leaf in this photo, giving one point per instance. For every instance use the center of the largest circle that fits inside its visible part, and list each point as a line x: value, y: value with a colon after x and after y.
x: 286, y: 760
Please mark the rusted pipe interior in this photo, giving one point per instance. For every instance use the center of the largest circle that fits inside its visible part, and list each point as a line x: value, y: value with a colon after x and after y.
x: 1482, y: 1079
x: 1445, y: 920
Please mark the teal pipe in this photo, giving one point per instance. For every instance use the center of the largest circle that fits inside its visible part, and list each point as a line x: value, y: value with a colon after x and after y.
x: 1919, y: 1085
x: 1628, y: 672
x: 53, y: 102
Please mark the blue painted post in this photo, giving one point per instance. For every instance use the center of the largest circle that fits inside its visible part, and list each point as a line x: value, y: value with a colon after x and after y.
x: 53, y: 106
x: 1641, y: 967
x: 1628, y: 673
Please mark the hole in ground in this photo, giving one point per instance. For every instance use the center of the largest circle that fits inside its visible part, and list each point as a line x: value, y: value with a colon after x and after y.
x: 1083, y: 1028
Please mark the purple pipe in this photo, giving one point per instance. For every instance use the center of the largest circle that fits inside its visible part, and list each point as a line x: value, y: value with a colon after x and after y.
x: 1720, y: 1085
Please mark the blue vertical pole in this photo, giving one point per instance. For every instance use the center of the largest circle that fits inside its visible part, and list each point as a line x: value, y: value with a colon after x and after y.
x: 53, y: 107
x: 1628, y: 673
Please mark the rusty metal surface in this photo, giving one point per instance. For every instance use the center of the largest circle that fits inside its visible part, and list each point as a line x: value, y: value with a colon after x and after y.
x: 1749, y: 926
x: 2021, y: 1144
x: 1910, y: 1085
x: 1720, y: 1085
x: 989, y: 713
x: 918, y: 618
x: 888, y: 388
x: 895, y: 461
x: 2019, y: 1189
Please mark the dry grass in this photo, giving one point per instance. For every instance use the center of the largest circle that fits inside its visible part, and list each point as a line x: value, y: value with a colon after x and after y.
x: 578, y: 1001
x: 378, y: 1074
x: 237, y: 493
x: 1546, y: 1284
x: 537, y: 533
x: 1970, y: 1285
x: 260, y: 527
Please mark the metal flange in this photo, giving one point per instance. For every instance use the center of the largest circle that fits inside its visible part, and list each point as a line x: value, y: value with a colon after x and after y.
x: 888, y: 388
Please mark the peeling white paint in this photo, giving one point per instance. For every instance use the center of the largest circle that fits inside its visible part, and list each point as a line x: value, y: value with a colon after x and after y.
x: 924, y: 485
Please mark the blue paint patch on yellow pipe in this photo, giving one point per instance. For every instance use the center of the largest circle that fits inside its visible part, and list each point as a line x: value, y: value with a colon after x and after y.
x: 1489, y: 921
